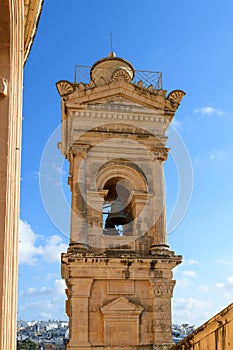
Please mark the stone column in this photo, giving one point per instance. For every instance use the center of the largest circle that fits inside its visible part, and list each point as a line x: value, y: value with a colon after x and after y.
x: 95, y: 202
x: 79, y: 209
x: 11, y: 68
x: 159, y: 232
x: 162, y: 325
x: 79, y: 298
x: 139, y: 200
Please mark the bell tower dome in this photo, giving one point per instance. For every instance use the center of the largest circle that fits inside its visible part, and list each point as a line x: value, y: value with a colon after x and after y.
x: 118, y: 267
x: 111, y: 68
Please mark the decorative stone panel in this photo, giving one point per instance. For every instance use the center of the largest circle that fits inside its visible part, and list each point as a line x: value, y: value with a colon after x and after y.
x: 121, y: 322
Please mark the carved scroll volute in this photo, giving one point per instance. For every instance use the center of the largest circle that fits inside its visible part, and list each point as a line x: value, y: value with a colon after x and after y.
x: 64, y: 87
x: 162, y: 288
x: 176, y: 96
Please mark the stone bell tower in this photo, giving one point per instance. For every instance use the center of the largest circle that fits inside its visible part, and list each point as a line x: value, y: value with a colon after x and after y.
x: 118, y: 267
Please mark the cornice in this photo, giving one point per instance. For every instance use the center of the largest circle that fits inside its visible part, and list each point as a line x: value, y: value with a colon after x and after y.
x: 78, y: 96
x: 119, y: 117
x: 32, y: 12
x: 135, y: 94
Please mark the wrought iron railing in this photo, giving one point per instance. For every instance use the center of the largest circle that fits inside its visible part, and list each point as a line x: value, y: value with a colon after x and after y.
x: 82, y: 74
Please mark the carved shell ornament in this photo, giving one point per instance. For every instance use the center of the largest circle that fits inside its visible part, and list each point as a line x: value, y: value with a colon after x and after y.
x: 176, y: 96
x: 121, y: 74
x: 64, y: 87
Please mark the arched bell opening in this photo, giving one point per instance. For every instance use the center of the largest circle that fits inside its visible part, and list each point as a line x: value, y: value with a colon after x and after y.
x: 117, y: 208
x: 125, y: 196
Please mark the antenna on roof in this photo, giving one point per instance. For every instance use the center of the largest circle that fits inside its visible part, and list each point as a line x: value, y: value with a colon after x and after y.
x: 112, y: 53
x: 111, y: 42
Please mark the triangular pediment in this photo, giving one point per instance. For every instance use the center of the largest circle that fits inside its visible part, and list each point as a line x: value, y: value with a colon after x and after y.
x: 117, y: 91
x: 121, y: 304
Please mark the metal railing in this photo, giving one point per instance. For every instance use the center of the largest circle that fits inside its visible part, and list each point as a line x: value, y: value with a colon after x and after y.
x: 82, y: 74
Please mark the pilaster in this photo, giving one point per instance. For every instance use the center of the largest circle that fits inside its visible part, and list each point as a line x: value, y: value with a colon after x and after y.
x: 162, y: 327
x: 79, y: 295
x: 78, y: 230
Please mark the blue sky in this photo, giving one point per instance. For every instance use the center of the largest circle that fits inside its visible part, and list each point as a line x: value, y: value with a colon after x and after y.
x: 191, y: 44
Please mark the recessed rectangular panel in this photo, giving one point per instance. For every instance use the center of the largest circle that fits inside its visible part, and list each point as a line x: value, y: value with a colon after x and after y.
x: 121, y: 332
x: 120, y: 287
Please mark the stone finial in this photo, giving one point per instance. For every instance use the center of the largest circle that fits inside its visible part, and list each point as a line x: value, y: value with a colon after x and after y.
x: 64, y: 87
x: 112, y: 54
x: 176, y: 96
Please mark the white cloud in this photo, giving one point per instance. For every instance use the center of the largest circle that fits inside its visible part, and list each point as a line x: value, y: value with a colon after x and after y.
x: 226, y: 288
x: 225, y: 262
x: 53, y: 248
x: 191, y: 310
x: 30, y: 251
x: 192, y: 262
x: 60, y: 286
x: 51, y: 276
x: 58, y: 289
x: 189, y: 273
x: 209, y: 111
x: 217, y: 155
x: 38, y: 291
x: 44, y: 309
x: 204, y: 288
x: 228, y: 285
x: 182, y: 282
x: 45, y: 302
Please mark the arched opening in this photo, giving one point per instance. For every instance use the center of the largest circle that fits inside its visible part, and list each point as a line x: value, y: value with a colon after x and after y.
x: 122, y: 182
x: 117, y: 207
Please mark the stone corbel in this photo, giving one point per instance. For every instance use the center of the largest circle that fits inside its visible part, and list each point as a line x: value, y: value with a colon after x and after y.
x: 3, y: 88
x: 161, y: 154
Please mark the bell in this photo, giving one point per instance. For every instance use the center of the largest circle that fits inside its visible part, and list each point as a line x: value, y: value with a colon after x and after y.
x: 117, y: 216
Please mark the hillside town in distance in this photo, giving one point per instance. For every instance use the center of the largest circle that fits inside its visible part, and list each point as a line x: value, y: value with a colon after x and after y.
x: 54, y: 335
x: 42, y: 335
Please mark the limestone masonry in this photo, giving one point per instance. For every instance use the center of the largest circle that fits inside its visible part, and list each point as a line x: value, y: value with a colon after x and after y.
x: 118, y: 267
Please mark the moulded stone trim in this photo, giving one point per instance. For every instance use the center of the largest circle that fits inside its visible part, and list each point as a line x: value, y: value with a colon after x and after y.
x: 123, y: 170
x: 121, y: 305
x: 163, y: 288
